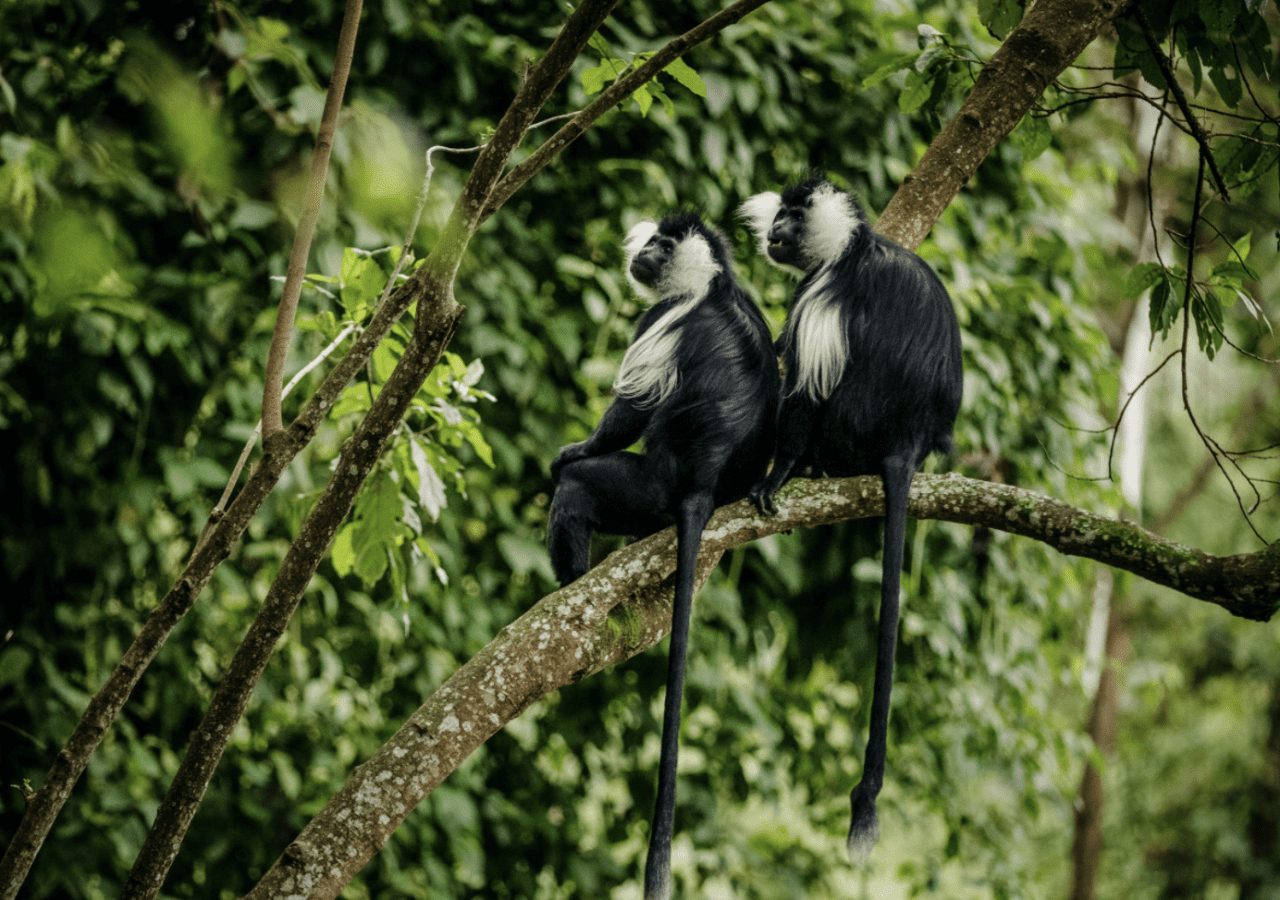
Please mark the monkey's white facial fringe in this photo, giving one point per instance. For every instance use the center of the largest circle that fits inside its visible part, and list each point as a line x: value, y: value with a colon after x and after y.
x: 691, y: 270
x: 648, y: 374
x: 639, y: 235
x: 759, y: 212
x: 829, y: 225
x: 818, y: 333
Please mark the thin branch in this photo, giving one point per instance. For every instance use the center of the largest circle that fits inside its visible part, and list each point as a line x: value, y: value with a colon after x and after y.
x: 437, y: 318
x: 1166, y: 69
x: 220, y: 507
x: 622, y: 607
x: 614, y: 94
x: 1208, y: 442
x: 272, y: 423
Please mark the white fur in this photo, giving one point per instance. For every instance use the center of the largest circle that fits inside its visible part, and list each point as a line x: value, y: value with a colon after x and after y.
x: 692, y: 269
x: 639, y: 235
x: 759, y: 212
x: 829, y: 225
x: 821, y: 341
x: 648, y: 373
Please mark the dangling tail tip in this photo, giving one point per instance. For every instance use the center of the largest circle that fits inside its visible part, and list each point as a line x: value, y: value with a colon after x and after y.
x: 864, y: 832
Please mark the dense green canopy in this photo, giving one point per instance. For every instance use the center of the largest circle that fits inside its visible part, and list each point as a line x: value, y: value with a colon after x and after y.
x: 152, y: 158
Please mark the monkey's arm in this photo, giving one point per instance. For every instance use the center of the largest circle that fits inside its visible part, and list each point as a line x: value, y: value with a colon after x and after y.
x: 619, y: 428
x: 796, y: 420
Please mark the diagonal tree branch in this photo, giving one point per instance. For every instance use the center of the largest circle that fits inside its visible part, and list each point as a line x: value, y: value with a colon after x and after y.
x: 616, y: 93
x: 219, y: 536
x: 437, y: 318
x: 623, y: 606
x: 314, y: 198
x: 560, y: 639
x: 1049, y: 38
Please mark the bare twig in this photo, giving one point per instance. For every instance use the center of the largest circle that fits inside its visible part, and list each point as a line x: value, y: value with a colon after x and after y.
x: 1166, y: 69
x: 272, y: 422
x: 615, y: 93
x: 1209, y: 444
x: 220, y: 507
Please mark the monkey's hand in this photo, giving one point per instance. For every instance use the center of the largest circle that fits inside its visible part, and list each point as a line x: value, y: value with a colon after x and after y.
x: 762, y: 496
x: 570, y: 453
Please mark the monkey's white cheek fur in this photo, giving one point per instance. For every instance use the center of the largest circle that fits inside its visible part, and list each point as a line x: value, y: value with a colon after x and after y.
x: 759, y: 212
x: 691, y: 270
x: 639, y: 235
x: 829, y: 225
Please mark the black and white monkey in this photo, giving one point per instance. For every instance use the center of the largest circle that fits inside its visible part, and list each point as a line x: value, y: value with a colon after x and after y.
x: 871, y: 352
x: 700, y: 384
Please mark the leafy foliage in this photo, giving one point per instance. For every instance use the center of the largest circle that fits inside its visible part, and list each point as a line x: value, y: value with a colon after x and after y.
x: 151, y: 159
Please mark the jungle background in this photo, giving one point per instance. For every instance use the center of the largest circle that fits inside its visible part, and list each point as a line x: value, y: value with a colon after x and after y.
x: 152, y: 158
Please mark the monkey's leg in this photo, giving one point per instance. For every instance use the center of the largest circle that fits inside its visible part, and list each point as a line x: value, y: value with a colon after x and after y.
x: 611, y: 493
x: 796, y: 421
x: 864, y: 829
x: 694, y: 512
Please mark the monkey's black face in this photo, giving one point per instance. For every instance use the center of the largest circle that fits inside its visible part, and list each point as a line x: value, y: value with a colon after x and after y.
x: 785, y: 235
x: 650, y: 262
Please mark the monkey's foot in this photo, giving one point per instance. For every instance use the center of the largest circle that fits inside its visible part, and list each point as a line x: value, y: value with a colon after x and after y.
x: 762, y: 497
x: 864, y: 827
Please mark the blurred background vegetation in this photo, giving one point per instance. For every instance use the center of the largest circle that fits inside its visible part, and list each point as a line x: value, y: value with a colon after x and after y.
x: 151, y: 164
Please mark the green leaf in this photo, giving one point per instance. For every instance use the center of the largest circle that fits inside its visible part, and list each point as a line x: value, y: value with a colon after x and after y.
x: 1142, y: 277
x: 595, y: 78
x: 14, y: 663
x: 643, y: 99
x: 1032, y: 136
x: 683, y: 73
x: 431, y: 494
x: 343, y: 553
x: 1228, y: 88
x: 893, y: 66
x: 362, y: 281
x: 1000, y: 16
x: 915, y: 92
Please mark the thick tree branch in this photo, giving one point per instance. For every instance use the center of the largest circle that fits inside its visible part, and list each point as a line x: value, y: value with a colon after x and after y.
x: 616, y: 93
x: 218, y: 537
x: 622, y: 607
x: 1049, y: 38
x: 313, y: 199
x: 438, y: 315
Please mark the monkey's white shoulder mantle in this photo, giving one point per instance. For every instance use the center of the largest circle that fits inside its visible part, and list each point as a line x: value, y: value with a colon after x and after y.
x: 818, y: 333
x: 649, y: 374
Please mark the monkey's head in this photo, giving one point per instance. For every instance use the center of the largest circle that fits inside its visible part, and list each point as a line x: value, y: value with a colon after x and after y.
x: 679, y: 256
x: 808, y: 225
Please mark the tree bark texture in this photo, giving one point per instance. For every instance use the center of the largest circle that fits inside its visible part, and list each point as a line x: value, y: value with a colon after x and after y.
x: 1086, y: 848
x: 1049, y: 38
x: 623, y: 606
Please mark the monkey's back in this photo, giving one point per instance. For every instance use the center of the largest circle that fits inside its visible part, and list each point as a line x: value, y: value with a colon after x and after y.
x: 901, y: 388
x: 719, y: 421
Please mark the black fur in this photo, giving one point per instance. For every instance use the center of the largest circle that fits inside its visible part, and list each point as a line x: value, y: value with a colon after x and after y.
x: 896, y: 402
x: 706, y: 444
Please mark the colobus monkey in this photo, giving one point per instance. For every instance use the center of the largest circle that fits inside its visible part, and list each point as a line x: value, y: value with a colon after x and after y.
x: 871, y: 351
x: 700, y: 384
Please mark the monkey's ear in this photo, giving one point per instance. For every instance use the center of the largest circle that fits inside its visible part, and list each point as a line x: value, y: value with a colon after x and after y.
x: 758, y: 213
x: 637, y: 237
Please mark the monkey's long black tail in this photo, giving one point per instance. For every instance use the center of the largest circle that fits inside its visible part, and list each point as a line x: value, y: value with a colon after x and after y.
x: 864, y: 829
x: 693, y: 516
